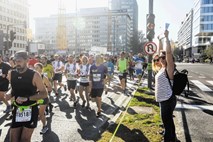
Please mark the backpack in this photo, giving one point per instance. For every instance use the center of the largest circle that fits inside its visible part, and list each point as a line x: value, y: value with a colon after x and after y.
x: 179, y: 82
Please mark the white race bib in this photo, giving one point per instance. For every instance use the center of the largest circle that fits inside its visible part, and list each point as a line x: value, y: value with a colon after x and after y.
x: 96, y: 77
x: 0, y: 72
x: 84, y: 79
x: 71, y: 76
x: 120, y: 74
x: 109, y: 69
x: 23, y: 115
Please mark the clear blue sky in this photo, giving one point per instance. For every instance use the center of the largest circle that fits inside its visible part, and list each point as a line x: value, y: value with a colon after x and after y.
x: 166, y: 11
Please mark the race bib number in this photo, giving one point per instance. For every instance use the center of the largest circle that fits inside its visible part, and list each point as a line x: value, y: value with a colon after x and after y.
x: 23, y: 115
x: 84, y: 79
x: 109, y: 69
x: 120, y: 74
x: 0, y: 72
x: 96, y: 77
x: 71, y: 76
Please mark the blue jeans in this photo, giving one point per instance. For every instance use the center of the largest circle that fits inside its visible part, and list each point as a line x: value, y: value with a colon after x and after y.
x: 166, y: 109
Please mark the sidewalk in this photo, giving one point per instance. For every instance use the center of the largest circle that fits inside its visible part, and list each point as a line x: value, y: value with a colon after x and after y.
x: 69, y: 124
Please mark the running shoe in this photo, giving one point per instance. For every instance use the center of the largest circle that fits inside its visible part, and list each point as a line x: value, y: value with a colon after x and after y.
x: 65, y: 87
x: 83, y: 104
x: 44, y: 130
x: 8, y: 109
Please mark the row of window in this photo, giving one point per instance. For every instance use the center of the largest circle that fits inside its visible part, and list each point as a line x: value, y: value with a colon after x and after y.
x: 17, y: 4
x: 15, y: 29
x: 20, y: 45
x: 206, y: 18
x: 10, y: 20
x: 207, y: 2
x: 206, y: 27
x: 206, y: 9
x: 12, y: 12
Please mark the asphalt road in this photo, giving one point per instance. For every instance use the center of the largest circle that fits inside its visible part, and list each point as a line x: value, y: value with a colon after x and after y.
x: 69, y: 124
x: 194, y: 114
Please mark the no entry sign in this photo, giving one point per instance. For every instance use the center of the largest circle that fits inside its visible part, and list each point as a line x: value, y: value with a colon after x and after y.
x: 150, y: 48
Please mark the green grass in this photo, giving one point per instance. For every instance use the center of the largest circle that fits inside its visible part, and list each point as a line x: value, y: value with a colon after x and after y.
x: 137, y: 127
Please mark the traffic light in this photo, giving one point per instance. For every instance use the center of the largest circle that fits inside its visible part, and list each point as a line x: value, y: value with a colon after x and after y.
x: 7, y: 45
x: 12, y: 35
x: 150, y: 26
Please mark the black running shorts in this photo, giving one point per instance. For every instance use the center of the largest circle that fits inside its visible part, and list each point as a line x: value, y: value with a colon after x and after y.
x: 31, y: 124
x: 57, y: 77
x: 96, y: 92
x: 71, y: 84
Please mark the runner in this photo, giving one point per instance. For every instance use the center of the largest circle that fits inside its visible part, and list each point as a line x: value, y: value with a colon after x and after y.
x: 84, y: 81
x: 4, y: 83
x: 110, y: 68
x: 139, y: 66
x: 47, y: 68
x: 24, y: 85
x: 57, y: 79
x: 32, y: 61
x: 97, y: 74
x: 43, y: 103
x: 71, y: 75
x: 122, y: 66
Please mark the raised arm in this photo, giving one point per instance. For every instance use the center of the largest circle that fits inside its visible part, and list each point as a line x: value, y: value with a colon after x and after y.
x: 169, y: 56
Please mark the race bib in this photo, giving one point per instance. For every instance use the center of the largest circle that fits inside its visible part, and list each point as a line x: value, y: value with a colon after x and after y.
x: 71, y: 76
x: 96, y: 77
x: 23, y: 115
x: 0, y: 72
x: 84, y: 79
x: 109, y: 69
x: 120, y: 74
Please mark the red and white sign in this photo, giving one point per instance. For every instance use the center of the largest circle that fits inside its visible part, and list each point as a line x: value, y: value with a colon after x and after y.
x: 150, y: 48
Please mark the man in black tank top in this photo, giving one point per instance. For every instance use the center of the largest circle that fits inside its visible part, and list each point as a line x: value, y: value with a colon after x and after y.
x: 24, y: 85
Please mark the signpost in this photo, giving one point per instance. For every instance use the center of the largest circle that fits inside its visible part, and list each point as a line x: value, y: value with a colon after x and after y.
x: 150, y: 48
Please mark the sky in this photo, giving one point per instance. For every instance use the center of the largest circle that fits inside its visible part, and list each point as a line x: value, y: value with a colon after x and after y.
x: 166, y: 11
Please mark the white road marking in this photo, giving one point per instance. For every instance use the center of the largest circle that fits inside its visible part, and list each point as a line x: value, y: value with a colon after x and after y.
x: 201, y: 77
x: 210, y: 82
x: 201, y: 86
x: 186, y: 88
x: 189, y: 76
x: 196, y: 107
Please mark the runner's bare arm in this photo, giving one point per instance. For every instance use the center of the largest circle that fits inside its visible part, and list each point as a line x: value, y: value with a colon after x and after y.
x: 8, y: 95
x: 47, y: 84
x: 37, y: 81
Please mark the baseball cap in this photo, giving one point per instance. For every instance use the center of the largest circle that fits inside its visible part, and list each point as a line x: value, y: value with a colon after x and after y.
x: 21, y: 55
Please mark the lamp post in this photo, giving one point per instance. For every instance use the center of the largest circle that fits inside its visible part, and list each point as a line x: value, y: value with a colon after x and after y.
x: 113, y: 49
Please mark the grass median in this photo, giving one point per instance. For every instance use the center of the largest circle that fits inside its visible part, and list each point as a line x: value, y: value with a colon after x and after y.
x: 141, y: 123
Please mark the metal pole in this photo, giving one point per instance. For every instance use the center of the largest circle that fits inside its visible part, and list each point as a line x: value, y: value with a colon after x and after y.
x: 76, y: 47
x: 114, y: 38
x: 150, y: 56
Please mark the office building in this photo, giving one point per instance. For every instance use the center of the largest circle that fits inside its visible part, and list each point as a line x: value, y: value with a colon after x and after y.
x: 185, y: 34
x: 90, y: 27
x: 132, y: 9
x: 14, y: 15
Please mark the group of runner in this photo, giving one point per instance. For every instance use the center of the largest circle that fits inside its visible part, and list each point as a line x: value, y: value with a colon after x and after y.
x: 31, y: 80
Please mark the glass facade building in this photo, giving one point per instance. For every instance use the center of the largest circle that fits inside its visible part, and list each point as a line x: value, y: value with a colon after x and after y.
x: 202, y: 25
x: 90, y: 27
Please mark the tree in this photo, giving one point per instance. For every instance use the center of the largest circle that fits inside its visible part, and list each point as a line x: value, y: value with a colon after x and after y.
x: 209, y: 51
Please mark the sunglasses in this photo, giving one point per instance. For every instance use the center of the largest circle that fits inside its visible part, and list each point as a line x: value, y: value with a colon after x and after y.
x: 156, y: 60
x: 163, y: 57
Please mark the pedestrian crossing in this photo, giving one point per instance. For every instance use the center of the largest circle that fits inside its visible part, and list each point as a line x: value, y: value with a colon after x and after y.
x: 201, y: 85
